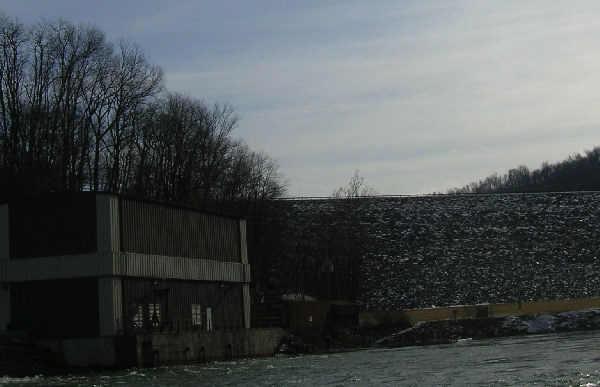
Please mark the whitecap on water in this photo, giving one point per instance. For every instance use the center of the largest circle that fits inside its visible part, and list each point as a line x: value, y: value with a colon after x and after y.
x: 10, y: 381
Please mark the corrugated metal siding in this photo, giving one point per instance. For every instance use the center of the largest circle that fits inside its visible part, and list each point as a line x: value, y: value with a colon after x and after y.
x: 141, y: 265
x: 121, y: 264
x: 61, y: 267
x: 56, y: 309
x: 53, y: 225
x: 225, y: 300
x: 160, y: 229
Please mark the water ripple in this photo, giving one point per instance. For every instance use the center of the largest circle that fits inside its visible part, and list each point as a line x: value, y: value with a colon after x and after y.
x: 561, y: 359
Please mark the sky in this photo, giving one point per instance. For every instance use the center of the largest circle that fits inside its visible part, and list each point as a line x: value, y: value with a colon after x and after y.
x: 418, y: 96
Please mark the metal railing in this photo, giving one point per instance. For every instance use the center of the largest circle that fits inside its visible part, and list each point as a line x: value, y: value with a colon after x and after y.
x: 164, y: 326
x: 169, y: 326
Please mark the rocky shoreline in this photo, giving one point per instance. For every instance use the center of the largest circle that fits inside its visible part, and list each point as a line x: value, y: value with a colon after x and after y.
x: 435, y: 332
x: 26, y: 360
x: 448, y: 331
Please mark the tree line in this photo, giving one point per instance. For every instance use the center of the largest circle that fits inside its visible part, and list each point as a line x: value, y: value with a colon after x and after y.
x: 81, y: 113
x: 579, y: 172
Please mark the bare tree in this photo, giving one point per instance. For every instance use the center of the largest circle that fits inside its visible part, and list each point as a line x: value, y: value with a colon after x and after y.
x: 135, y: 82
x: 355, y: 188
x: 13, y: 59
x: 79, y: 113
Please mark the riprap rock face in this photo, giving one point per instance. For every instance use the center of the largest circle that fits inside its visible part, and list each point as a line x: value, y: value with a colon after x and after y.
x: 459, y: 249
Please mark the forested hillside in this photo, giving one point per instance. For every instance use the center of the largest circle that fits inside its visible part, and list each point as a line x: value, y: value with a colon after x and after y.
x: 580, y: 172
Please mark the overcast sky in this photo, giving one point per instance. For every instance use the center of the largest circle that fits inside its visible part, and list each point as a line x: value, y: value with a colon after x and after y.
x: 418, y: 96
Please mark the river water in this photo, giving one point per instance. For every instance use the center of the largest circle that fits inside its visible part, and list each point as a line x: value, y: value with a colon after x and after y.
x: 556, y: 359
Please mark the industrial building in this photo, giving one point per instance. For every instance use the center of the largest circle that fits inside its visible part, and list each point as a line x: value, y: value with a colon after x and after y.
x: 93, y: 268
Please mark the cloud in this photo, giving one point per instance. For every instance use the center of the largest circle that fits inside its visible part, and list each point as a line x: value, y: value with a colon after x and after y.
x: 417, y: 95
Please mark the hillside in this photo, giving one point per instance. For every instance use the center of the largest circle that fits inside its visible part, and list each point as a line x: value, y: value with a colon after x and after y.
x: 580, y: 172
x: 439, y: 250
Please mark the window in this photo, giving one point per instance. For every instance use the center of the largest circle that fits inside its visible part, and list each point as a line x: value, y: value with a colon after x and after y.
x: 196, y: 315
x: 138, y: 317
x: 154, y: 314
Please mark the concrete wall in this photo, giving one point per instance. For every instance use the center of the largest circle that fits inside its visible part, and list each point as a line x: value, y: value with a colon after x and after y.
x: 94, y: 352
x: 188, y: 347
x: 503, y: 310
x: 90, y: 352
x: 121, y: 352
x: 470, y: 311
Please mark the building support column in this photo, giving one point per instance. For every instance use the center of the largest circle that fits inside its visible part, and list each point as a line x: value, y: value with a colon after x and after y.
x: 107, y: 219
x: 110, y: 306
x: 4, y: 307
x: 4, y: 256
x: 4, y: 233
x: 244, y: 260
x: 246, y: 302
x: 243, y: 242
